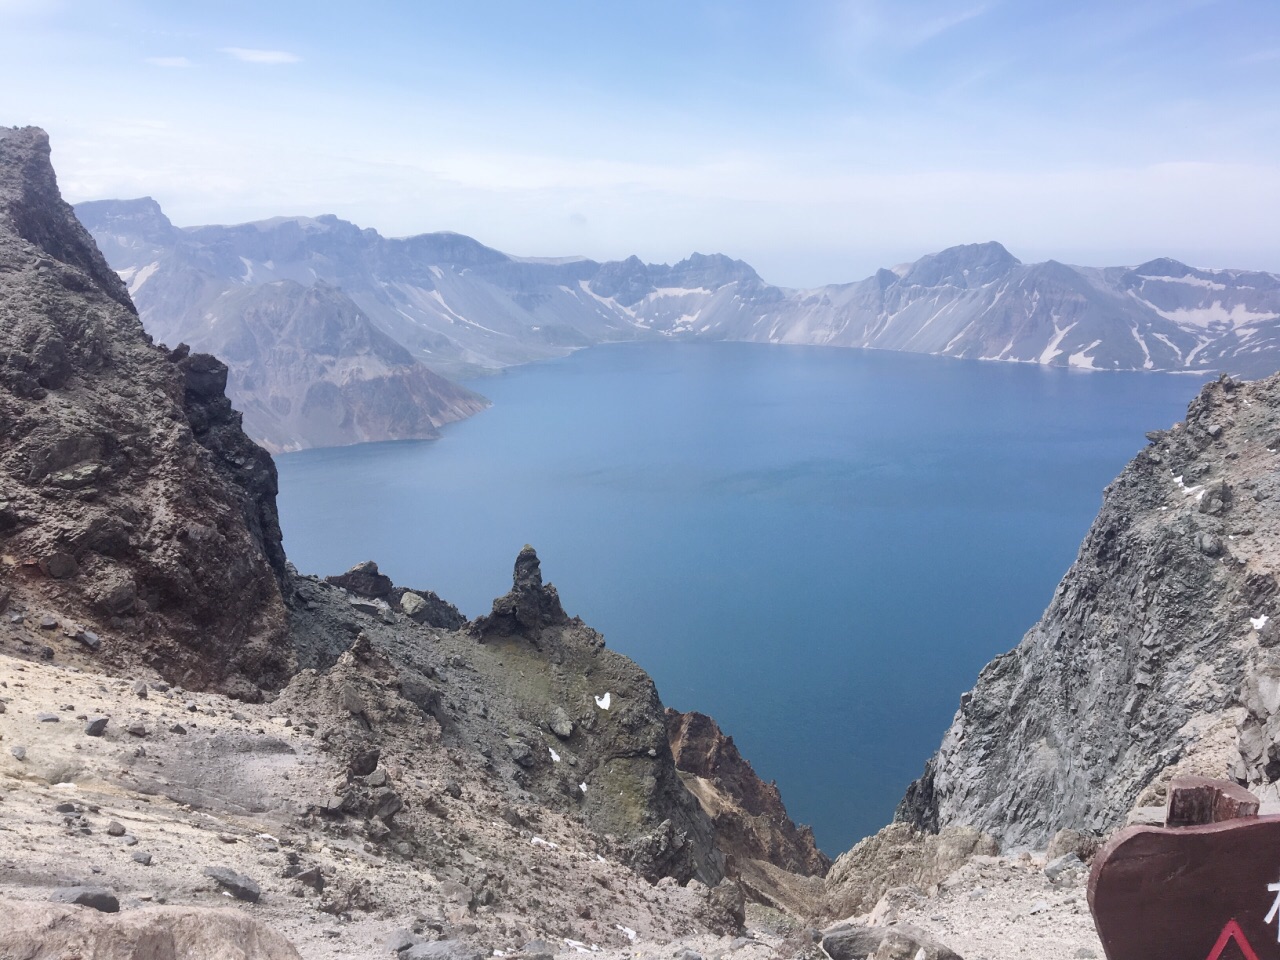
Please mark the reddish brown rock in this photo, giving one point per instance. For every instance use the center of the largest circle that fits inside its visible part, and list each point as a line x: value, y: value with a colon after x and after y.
x: 750, y: 819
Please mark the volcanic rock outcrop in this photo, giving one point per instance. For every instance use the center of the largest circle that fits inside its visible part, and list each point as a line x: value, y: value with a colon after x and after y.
x: 562, y: 721
x: 1157, y: 641
x: 130, y: 494
x: 750, y: 819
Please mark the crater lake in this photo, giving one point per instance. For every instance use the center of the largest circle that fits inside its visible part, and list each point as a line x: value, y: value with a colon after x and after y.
x: 818, y: 547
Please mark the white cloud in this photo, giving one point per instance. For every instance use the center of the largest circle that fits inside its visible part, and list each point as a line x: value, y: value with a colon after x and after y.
x: 269, y: 57
x: 169, y: 61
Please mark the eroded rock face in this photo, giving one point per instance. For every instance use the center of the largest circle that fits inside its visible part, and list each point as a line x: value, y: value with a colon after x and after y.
x: 1145, y: 648
x: 129, y: 495
x: 750, y: 819
x: 898, y: 856
x: 616, y: 732
x: 549, y: 711
x: 39, y: 931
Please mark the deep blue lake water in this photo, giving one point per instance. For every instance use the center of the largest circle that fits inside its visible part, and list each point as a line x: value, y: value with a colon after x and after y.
x: 818, y: 547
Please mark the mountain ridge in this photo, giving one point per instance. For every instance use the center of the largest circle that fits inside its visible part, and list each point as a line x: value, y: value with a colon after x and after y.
x: 464, y: 308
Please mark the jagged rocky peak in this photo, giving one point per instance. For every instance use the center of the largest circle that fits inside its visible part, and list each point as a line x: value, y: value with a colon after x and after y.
x: 131, y: 497
x: 529, y: 607
x: 35, y: 212
x: 1147, y: 662
x: 710, y: 271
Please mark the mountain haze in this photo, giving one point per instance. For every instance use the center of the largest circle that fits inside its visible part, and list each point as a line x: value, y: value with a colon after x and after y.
x: 462, y: 308
x: 307, y: 367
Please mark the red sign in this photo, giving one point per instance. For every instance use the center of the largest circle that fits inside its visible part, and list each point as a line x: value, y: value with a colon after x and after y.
x: 1207, y: 891
x: 1232, y: 932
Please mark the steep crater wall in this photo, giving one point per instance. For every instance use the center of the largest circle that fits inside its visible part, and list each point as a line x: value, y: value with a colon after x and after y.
x: 1140, y: 663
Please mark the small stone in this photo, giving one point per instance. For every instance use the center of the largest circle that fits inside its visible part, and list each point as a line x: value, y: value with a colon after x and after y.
x: 400, y: 939
x: 59, y: 565
x: 313, y: 878
x: 89, y: 639
x: 190, y: 706
x: 140, y: 689
x: 177, y: 728
x: 237, y: 884
x: 377, y: 779
x: 443, y: 950
x: 115, y: 829
x: 560, y: 723
x: 1056, y: 868
x: 99, y: 898
x: 137, y: 729
x: 142, y: 857
x: 47, y: 718
x: 48, y: 623
x: 19, y: 753
x: 96, y: 726
x: 65, y: 807
x: 129, y: 840
x: 364, y: 760
x: 453, y: 789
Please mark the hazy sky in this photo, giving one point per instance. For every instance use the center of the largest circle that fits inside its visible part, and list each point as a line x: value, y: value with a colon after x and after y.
x: 817, y: 140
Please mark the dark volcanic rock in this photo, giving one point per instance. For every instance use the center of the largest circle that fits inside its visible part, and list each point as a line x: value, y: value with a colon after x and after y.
x: 98, y: 898
x: 364, y: 580
x: 528, y: 608
x: 127, y: 479
x: 400, y: 683
x: 237, y: 884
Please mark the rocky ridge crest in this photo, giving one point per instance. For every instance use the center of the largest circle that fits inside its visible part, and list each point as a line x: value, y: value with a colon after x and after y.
x: 463, y: 308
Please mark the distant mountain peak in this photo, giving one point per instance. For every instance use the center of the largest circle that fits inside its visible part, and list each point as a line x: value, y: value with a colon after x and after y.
x: 966, y: 265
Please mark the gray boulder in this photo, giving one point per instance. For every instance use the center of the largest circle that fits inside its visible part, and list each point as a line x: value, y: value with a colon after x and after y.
x: 443, y: 950
x: 99, y: 898
x: 901, y: 941
x: 236, y: 884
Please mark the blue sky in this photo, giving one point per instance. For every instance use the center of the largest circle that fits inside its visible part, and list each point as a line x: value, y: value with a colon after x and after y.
x: 817, y: 140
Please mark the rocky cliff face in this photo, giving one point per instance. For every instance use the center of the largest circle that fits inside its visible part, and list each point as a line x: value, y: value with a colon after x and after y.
x: 1157, y: 641
x: 131, y: 496
x: 750, y: 819
x: 307, y: 367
